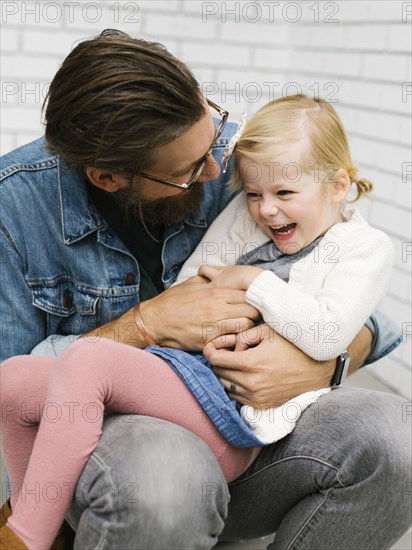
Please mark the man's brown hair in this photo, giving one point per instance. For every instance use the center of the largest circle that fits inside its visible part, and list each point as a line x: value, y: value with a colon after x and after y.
x: 115, y: 99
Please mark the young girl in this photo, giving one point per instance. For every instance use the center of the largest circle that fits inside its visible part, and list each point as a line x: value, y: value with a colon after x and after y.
x: 314, y: 270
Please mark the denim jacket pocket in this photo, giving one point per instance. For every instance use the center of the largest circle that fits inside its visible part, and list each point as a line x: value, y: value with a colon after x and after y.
x: 69, y: 309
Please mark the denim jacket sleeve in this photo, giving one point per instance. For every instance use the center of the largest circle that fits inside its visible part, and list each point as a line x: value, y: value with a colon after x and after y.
x: 22, y: 325
x: 385, y: 338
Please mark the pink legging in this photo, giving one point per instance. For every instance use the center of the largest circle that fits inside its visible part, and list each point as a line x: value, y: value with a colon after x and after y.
x: 52, y: 416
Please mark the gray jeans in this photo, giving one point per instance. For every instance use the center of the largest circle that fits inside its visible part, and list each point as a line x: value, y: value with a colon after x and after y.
x: 340, y: 480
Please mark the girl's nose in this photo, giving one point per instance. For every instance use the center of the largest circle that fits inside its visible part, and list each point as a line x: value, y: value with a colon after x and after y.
x: 268, y: 209
x: 210, y: 171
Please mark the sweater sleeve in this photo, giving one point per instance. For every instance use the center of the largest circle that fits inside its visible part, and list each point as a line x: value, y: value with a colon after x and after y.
x: 232, y: 234
x: 323, y: 311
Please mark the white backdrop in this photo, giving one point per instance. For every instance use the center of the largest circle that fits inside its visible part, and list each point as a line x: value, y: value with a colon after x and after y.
x: 355, y: 54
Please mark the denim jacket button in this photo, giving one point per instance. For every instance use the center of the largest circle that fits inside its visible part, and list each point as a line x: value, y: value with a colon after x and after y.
x: 130, y: 278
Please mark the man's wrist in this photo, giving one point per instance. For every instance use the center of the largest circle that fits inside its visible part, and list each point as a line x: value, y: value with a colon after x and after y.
x: 359, y: 349
x: 142, y: 327
x: 371, y: 325
x: 123, y: 330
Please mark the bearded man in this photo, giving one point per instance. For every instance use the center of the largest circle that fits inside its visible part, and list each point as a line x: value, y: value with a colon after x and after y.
x: 100, y: 214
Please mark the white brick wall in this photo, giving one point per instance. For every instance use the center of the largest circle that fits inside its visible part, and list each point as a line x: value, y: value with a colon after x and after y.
x: 354, y: 53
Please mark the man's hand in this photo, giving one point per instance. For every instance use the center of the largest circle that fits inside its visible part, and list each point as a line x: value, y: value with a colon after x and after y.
x: 185, y: 316
x: 268, y: 370
x: 235, y: 276
x: 190, y: 314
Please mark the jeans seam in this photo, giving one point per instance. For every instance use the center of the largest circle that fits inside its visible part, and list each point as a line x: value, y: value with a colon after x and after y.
x: 306, y: 457
x: 108, y: 478
x: 289, y: 547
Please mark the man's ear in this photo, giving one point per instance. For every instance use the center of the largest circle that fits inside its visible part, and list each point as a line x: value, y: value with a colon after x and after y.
x: 340, y: 185
x: 106, y: 181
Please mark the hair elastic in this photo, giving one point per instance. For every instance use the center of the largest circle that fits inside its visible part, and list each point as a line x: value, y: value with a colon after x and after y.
x: 227, y: 153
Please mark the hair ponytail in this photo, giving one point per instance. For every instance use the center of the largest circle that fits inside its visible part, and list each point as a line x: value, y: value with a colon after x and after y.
x: 363, y: 185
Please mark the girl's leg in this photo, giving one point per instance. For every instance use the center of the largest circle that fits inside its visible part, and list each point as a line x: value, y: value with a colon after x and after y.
x: 23, y: 388
x: 86, y: 379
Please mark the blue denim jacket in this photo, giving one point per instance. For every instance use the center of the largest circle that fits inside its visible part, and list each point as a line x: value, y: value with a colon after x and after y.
x: 64, y: 271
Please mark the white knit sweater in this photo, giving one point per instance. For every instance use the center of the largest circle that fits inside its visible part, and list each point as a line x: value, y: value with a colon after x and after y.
x: 331, y: 291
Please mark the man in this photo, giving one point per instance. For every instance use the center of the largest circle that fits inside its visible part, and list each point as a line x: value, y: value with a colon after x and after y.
x: 109, y: 221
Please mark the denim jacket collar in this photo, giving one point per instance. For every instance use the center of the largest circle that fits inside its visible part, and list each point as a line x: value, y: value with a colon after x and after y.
x: 78, y: 213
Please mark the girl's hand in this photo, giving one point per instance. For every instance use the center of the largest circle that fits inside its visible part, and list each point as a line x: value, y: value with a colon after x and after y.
x: 238, y: 277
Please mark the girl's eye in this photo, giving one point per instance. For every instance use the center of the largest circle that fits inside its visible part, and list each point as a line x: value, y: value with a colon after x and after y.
x: 252, y: 196
x: 284, y: 192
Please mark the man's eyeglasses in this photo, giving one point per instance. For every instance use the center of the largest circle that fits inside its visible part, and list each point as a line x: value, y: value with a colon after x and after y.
x: 198, y: 169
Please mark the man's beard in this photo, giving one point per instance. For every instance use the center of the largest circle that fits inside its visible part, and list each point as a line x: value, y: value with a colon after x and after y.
x: 164, y: 211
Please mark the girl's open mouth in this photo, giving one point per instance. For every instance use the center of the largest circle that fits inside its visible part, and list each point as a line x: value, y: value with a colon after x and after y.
x: 282, y: 232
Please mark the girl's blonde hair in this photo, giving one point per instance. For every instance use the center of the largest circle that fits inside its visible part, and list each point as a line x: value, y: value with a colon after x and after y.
x: 290, y: 120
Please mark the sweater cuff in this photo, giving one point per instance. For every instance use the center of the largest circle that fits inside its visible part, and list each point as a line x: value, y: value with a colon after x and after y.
x: 266, y: 282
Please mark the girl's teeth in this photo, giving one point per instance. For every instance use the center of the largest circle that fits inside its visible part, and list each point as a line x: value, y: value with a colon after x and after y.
x: 287, y: 232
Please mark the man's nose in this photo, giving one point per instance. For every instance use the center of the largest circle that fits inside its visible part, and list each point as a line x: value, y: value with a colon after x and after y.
x: 211, y: 170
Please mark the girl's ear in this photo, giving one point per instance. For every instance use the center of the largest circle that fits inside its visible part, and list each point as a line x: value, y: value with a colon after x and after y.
x: 340, y: 185
x: 106, y: 181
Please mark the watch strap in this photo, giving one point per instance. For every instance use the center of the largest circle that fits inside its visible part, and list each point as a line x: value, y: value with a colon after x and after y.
x: 341, y: 370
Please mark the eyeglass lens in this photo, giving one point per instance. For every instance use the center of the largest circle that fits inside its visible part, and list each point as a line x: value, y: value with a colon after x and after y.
x: 218, y: 122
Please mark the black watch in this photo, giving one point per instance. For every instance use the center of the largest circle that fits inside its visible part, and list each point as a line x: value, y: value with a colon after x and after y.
x: 341, y: 370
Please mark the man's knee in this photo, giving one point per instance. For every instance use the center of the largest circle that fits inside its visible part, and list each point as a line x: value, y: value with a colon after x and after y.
x: 171, y: 473
x: 369, y: 428
x: 160, y: 479
x: 365, y: 427
x: 387, y: 440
